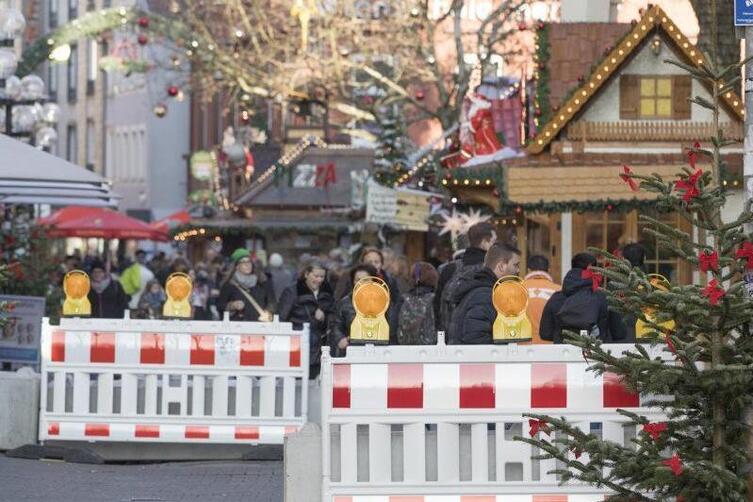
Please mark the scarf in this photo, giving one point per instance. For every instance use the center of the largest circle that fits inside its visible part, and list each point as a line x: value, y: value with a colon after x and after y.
x: 246, y: 281
x: 100, y: 286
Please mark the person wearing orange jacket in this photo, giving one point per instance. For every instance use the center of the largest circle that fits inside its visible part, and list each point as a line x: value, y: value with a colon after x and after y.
x: 541, y: 287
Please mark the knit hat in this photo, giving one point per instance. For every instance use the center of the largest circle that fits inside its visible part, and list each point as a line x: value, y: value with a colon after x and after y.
x: 238, y: 254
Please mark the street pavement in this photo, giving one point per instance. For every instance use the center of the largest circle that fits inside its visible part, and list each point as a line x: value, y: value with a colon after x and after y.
x: 55, y: 481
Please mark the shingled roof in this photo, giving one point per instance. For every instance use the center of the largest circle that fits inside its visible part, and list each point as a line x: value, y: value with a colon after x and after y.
x: 573, y: 50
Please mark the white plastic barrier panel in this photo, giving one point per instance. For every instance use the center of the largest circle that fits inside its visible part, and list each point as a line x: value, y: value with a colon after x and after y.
x: 172, y: 381
x: 436, y: 423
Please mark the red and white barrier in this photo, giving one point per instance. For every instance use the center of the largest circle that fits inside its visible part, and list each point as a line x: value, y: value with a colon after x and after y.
x: 437, y: 423
x: 172, y: 381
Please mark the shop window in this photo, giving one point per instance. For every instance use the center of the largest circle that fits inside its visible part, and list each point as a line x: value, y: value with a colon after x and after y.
x: 660, y: 260
x: 656, y: 97
x: 607, y: 231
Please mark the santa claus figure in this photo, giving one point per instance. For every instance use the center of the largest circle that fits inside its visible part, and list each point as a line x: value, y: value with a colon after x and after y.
x: 477, y: 134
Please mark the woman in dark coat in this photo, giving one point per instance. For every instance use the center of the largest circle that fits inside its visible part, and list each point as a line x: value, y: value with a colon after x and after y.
x: 310, y: 300
x: 107, y: 297
x: 245, y: 282
x: 345, y: 312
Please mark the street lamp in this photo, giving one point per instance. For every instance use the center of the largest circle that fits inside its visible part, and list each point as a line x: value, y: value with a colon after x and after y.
x: 23, y: 111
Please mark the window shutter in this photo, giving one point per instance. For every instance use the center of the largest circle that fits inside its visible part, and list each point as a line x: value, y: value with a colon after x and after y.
x: 629, y: 96
x: 681, y: 93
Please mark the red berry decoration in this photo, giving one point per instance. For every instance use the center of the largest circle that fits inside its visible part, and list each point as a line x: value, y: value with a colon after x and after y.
x: 144, y: 22
x: 420, y: 95
x: 172, y: 91
x: 143, y: 40
x: 518, y: 210
x: 541, y: 25
x: 610, y: 207
x: 522, y: 26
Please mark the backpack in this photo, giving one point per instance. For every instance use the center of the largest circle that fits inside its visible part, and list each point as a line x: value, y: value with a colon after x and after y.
x: 447, y: 303
x: 580, y: 312
x: 415, y: 323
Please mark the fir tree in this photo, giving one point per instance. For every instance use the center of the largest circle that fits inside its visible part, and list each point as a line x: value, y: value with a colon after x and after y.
x: 390, y: 157
x: 699, y: 451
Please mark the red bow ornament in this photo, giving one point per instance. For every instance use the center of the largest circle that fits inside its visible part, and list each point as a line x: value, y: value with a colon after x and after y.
x: 654, y: 429
x: 674, y: 463
x: 708, y: 261
x: 713, y: 292
x: 577, y: 452
x: 595, y: 277
x: 746, y: 251
x: 627, y: 178
x: 693, y: 154
x: 670, y: 345
x: 689, y: 186
x: 536, y: 425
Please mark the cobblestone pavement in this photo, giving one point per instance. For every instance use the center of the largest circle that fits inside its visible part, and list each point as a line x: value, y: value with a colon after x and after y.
x: 42, y: 481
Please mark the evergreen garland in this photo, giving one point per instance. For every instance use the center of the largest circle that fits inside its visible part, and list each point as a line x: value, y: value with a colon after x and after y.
x: 542, y: 104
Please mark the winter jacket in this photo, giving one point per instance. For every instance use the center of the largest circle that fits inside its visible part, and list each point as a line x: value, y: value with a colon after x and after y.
x: 262, y: 293
x: 281, y: 278
x: 110, y: 303
x: 540, y: 288
x: 298, y: 305
x: 474, y: 315
x: 611, y: 327
x: 340, y: 328
x: 471, y: 256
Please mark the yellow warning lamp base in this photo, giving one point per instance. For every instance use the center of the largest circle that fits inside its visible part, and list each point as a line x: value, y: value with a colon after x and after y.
x: 512, y: 329
x: 644, y: 331
x: 178, y: 288
x: 76, y: 286
x: 365, y: 330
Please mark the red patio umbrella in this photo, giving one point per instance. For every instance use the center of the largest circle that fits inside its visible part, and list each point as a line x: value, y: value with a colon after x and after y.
x: 75, y: 221
x: 174, y: 220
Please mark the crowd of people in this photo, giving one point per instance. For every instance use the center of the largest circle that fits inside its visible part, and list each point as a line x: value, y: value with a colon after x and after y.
x: 455, y: 297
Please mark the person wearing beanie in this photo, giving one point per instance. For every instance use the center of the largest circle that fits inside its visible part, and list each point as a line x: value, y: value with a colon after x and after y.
x: 246, y: 293
x: 416, y: 323
x: 107, y: 297
x: 280, y: 276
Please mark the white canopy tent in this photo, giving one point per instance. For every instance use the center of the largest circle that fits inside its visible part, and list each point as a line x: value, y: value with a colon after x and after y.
x: 31, y: 176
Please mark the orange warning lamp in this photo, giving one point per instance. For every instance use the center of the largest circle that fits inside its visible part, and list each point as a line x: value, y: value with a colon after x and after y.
x: 76, y: 286
x: 178, y: 288
x: 643, y: 330
x: 371, y: 299
x: 510, y: 300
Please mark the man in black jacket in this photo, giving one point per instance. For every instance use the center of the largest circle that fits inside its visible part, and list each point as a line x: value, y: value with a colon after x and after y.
x: 474, y: 316
x: 609, y: 323
x: 481, y: 236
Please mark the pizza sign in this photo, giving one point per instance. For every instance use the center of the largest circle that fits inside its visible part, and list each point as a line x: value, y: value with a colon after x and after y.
x: 314, y: 175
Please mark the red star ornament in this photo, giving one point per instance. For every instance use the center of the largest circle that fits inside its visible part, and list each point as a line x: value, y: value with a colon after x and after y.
x: 713, y: 292
x: 595, y: 277
x: 674, y: 463
x: 626, y: 172
x: 746, y: 251
x: 689, y: 186
x: 708, y: 261
x: 655, y: 429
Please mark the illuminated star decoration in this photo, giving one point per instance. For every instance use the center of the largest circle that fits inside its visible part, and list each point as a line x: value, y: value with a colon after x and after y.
x: 708, y: 261
x: 674, y: 463
x: 689, y: 186
x: 713, y: 292
x: 626, y: 177
x: 473, y: 217
x: 453, y: 224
